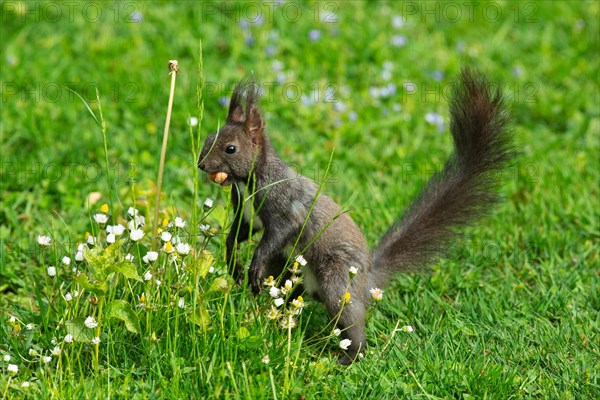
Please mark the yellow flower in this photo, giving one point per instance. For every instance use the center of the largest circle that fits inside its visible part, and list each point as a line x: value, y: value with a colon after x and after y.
x: 346, y: 298
x: 165, y: 222
x: 16, y: 327
x: 142, y: 298
x: 104, y: 208
x: 168, y: 247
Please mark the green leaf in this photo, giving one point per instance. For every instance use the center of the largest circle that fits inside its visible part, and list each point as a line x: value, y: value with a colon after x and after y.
x: 219, y: 285
x: 98, y: 288
x: 120, y: 309
x: 203, y: 262
x: 243, y: 333
x: 200, y: 317
x: 126, y: 269
x: 81, y: 333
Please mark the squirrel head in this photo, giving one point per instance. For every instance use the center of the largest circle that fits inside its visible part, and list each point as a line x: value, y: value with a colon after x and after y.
x: 232, y: 154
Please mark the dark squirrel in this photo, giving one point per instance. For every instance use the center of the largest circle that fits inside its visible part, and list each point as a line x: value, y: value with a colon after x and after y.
x: 240, y: 153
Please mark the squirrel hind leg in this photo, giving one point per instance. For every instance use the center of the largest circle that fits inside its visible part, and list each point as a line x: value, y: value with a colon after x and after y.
x: 350, y: 320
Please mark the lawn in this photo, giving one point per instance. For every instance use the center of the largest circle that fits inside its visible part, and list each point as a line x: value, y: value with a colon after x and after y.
x: 512, y: 312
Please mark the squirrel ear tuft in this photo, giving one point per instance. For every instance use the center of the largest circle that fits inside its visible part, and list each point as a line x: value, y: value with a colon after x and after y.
x: 236, y: 114
x: 255, y: 125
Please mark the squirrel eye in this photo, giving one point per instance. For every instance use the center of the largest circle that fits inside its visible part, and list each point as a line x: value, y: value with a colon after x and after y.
x: 230, y: 149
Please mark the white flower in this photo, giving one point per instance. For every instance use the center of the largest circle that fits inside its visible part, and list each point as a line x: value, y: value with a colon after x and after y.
x: 147, y: 275
x: 150, y: 256
x: 57, y: 350
x: 33, y: 352
x: 193, y: 121
x: 12, y: 319
x: 180, y: 223
x: 336, y: 332
x: 204, y: 228
x: 117, y: 230
x: 129, y: 257
x: 300, y: 260
x: 274, y: 292
x: 101, y: 218
x: 165, y: 236
x: 353, y: 271
x: 68, y: 338
x: 25, y: 384
x: 91, y: 240
x: 211, y: 269
x: 136, y: 234
x: 90, y: 322
x: 76, y: 293
x: 398, y: 21
x: 79, y: 256
x: 181, y: 303
x: 279, y: 302
x: 110, y: 238
x: 345, y: 343
x: 288, y: 285
x: 137, y: 222
x: 157, y: 282
x: 68, y: 297
x: 46, y: 359
x: 44, y: 240
x: 66, y: 260
x: 6, y: 357
x: 132, y: 211
x: 51, y: 271
x: 183, y: 248
x: 376, y: 294
x: 208, y: 202
x: 96, y: 340
x: 29, y: 327
x: 408, y: 329
x: 12, y: 368
x: 266, y: 359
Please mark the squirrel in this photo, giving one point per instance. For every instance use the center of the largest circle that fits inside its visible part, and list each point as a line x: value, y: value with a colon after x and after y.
x: 293, y: 211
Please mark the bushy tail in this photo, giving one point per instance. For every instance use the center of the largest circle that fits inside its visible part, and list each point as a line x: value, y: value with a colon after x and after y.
x: 462, y: 192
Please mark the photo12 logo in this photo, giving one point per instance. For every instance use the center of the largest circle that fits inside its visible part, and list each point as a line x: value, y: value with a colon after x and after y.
x: 55, y: 92
x: 254, y: 12
x: 70, y: 11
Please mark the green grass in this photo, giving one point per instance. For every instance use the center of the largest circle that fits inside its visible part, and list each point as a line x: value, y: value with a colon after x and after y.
x: 511, y: 313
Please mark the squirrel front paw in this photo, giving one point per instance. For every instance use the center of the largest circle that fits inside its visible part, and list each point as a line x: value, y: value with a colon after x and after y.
x: 256, y: 275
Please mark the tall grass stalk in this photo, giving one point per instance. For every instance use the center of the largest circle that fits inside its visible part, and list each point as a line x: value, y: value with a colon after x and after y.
x: 173, y: 70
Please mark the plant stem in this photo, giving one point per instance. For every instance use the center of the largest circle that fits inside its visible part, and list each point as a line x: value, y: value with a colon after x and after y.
x: 173, y: 70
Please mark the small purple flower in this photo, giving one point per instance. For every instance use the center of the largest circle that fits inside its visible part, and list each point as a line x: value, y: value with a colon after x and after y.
x: 435, y: 119
x: 438, y: 75
x: 398, y: 40
x: 136, y: 17
x: 314, y: 35
x: 352, y: 116
x: 270, y: 51
x: 223, y: 101
x: 409, y: 87
x: 517, y: 72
